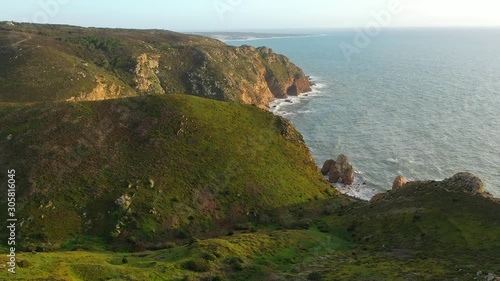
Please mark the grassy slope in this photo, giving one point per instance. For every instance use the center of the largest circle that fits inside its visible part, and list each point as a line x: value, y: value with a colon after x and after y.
x: 327, y: 240
x: 190, y: 165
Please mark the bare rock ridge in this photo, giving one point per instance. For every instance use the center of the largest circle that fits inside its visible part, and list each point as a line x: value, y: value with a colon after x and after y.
x: 66, y: 63
x: 339, y: 171
x: 459, y: 183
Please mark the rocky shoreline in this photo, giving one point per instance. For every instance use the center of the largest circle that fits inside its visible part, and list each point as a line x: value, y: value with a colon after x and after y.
x: 341, y: 174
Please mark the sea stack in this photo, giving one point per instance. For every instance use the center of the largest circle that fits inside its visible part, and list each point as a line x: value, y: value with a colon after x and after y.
x: 339, y: 171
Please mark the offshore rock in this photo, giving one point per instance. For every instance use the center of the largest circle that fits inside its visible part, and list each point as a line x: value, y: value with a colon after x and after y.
x: 339, y: 171
x: 326, y: 167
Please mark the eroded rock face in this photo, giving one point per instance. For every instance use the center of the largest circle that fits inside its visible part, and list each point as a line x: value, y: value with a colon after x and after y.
x: 339, y: 171
x: 399, y: 182
x: 146, y: 71
x: 102, y: 91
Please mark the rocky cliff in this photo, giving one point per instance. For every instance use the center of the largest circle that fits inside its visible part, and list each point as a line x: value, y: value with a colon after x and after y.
x: 54, y: 63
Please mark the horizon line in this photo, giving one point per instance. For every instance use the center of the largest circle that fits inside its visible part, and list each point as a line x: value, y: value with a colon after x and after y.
x: 261, y: 30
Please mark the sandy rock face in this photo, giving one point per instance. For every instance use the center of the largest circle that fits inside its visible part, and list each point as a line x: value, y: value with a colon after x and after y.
x: 102, y: 91
x: 399, y: 182
x: 145, y: 74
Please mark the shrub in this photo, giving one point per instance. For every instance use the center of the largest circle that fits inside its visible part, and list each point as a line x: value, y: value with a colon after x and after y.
x: 244, y: 226
x: 235, y: 263
x: 314, y: 276
x: 197, y: 265
x: 214, y: 278
x: 169, y: 245
x: 303, y: 224
x: 208, y: 256
x: 183, y: 234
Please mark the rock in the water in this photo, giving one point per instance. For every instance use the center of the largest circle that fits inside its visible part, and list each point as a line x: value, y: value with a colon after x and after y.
x: 399, y: 182
x: 340, y: 171
x: 326, y: 167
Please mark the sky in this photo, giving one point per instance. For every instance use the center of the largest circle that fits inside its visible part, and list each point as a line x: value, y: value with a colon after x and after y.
x: 253, y: 15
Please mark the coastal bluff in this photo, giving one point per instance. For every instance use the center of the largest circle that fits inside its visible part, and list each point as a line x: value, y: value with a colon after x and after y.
x: 43, y: 63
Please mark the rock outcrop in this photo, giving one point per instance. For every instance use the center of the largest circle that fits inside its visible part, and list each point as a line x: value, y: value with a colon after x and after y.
x: 102, y: 91
x: 146, y: 71
x: 124, y: 202
x: 339, y: 171
x: 399, y: 182
x: 459, y: 183
x: 465, y: 182
x: 326, y: 166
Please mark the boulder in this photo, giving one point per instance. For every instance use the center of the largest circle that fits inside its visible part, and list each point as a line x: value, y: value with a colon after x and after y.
x: 398, y: 182
x: 340, y: 171
x: 326, y: 167
x: 124, y: 202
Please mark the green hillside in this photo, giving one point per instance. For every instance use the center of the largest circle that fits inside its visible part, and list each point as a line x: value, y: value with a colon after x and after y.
x: 188, y: 166
x: 421, y: 232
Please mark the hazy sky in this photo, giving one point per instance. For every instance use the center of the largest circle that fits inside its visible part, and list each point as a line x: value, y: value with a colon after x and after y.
x: 204, y: 15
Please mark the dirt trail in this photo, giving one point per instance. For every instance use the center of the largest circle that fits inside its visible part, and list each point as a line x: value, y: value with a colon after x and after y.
x: 19, y: 42
x: 15, y: 44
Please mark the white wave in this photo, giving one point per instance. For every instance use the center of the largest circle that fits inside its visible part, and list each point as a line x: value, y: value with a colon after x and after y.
x: 318, y: 86
x: 279, y: 106
x: 360, y: 189
x: 393, y: 160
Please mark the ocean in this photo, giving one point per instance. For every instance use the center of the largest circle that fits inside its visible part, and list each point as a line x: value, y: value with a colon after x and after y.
x: 422, y: 103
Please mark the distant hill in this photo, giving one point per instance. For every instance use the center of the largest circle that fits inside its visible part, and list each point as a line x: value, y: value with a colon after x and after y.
x: 57, y: 63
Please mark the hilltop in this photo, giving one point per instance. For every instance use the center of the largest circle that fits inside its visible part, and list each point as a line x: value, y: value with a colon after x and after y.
x: 57, y: 63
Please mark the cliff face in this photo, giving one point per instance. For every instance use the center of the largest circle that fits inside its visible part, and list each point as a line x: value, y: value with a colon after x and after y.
x: 50, y: 63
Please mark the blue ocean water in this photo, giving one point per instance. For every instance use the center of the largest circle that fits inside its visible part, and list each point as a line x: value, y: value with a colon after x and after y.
x: 420, y: 103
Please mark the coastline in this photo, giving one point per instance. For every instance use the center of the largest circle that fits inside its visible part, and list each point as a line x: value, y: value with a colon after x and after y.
x: 276, y: 37
x: 361, y: 189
